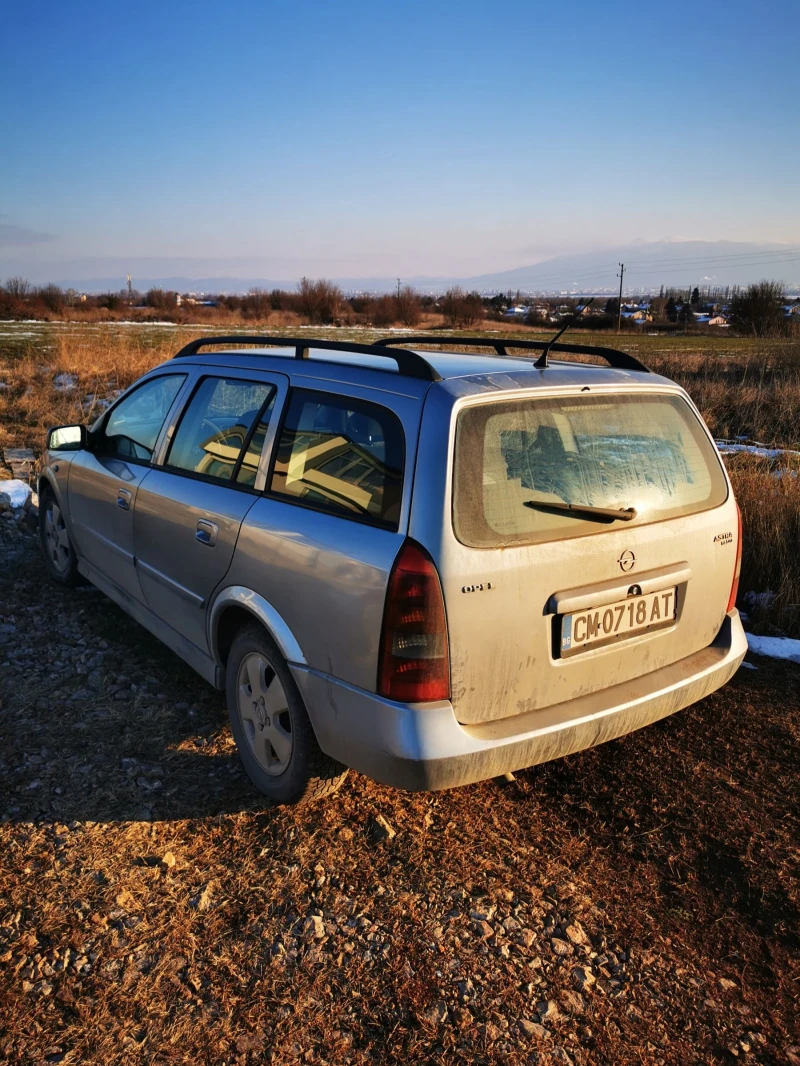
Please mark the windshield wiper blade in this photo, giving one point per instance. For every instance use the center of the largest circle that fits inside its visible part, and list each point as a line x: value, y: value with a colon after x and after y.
x: 598, y: 514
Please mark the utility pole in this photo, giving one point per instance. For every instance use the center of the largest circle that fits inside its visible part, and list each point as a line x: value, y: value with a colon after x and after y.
x: 398, y: 288
x: 621, y: 275
x: 130, y: 291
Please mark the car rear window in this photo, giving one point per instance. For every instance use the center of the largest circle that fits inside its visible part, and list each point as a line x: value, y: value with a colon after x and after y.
x: 648, y: 452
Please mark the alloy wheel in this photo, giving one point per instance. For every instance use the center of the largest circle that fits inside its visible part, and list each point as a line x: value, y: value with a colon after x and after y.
x: 264, y: 712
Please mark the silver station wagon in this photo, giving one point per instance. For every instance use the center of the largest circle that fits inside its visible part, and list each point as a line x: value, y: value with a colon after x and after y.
x: 433, y: 567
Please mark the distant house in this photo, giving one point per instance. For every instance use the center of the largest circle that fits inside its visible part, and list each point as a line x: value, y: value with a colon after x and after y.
x: 516, y: 312
x: 718, y: 320
x: 638, y: 316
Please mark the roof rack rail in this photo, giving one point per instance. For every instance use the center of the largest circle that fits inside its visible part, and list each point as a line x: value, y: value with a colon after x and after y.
x: 409, y: 364
x: 619, y: 360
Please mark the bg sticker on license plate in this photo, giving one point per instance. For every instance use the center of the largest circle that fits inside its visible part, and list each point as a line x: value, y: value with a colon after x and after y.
x: 615, y: 621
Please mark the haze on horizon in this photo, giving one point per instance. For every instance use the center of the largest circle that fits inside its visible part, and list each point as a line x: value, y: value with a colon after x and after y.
x: 363, y: 140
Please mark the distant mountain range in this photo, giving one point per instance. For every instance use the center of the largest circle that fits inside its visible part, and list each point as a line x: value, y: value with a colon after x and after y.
x: 647, y: 266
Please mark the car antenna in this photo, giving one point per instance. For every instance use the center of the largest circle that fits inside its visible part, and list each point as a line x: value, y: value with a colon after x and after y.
x: 541, y: 363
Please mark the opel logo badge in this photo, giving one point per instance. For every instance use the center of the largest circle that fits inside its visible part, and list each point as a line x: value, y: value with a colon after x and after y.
x: 626, y: 561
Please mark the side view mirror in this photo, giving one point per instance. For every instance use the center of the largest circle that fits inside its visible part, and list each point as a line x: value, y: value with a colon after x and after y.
x: 67, y: 438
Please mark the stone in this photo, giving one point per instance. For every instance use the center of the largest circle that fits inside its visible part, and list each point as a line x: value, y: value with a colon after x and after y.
x: 483, y: 930
x: 482, y: 914
x: 437, y: 1014
x: 560, y: 947
x: 573, y: 1002
x: 380, y: 829
x: 726, y: 984
x: 532, y: 1029
x: 582, y: 978
x: 547, y: 1009
x: 314, y: 927
x: 575, y: 934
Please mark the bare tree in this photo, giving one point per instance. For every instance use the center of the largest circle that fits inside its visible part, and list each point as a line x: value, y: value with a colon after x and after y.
x: 319, y: 301
x: 18, y: 287
x: 257, y: 303
x: 461, y: 309
x: 52, y: 297
x: 758, y: 310
x: 383, y: 311
x: 409, y: 310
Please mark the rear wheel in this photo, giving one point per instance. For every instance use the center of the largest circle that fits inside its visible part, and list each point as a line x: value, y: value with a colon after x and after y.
x: 59, y: 554
x: 270, y: 724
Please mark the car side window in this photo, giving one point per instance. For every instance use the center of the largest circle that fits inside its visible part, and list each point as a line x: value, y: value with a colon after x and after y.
x: 132, y: 428
x: 341, y: 455
x: 224, y: 422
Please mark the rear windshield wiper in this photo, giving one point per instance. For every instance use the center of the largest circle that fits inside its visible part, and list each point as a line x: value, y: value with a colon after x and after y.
x: 598, y: 514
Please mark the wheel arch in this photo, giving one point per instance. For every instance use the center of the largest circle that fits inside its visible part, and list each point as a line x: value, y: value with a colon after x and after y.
x: 233, y: 608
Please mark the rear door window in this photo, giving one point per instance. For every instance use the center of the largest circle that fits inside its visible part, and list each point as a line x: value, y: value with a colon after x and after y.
x: 222, y: 430
x: 341, y: 455
x: 646, y: 452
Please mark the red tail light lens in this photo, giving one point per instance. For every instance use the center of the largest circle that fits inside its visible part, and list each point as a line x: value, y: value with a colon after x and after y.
x: 738, y: 567
x: 414, y: 664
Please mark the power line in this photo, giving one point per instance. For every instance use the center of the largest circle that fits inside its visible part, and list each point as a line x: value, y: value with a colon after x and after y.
x: 621, y: 275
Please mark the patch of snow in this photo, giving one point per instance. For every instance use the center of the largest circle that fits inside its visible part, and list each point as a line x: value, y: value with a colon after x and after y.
x: 64, y: 382
x: 761, y: 450
x: 17, y: 491
x: 749, y: 666
x: 775, y: 647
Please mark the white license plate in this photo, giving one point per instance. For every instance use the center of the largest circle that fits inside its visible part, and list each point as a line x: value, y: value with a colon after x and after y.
x: 584, y: 629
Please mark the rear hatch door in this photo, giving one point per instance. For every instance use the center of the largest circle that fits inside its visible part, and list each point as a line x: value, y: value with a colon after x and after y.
x: 593, y: 541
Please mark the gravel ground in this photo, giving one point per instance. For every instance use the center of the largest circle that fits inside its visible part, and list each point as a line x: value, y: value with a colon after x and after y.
x: 633, y: 904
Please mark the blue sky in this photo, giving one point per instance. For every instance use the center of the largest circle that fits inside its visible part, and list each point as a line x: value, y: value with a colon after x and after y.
x: 404, y: 138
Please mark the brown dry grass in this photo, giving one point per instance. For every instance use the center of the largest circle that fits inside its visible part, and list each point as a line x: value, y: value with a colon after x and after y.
x: 755, y: 394
x: 769, y: 497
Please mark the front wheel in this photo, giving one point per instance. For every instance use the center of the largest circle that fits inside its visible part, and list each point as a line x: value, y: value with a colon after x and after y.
x: 270, y: 724
x: 59, y: 553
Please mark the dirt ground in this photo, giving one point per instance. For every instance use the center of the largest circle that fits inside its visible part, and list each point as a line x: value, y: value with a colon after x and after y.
x: 638, y: 903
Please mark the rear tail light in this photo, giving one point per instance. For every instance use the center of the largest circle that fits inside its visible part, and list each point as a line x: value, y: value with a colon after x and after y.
x: 738, y: 568
x: 414, y: 665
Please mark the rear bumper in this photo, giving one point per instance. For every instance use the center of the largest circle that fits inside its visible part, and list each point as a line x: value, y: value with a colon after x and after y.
x: 416, y: 748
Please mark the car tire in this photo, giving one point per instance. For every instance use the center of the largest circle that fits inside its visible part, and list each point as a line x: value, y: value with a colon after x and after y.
x: 270, y: 724
x: 57, y: 547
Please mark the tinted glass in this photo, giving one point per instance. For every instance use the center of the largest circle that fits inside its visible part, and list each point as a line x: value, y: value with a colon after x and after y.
x: 341, y: 455
x: 645, y: 452
x: 215, y: 427
x: 133, y: 426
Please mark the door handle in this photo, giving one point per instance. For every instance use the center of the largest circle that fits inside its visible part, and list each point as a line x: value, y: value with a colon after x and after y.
x: 124, y: 499
x: 207, y: 532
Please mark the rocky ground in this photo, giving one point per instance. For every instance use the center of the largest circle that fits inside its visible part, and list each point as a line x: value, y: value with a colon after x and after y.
x: 633, y: 904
